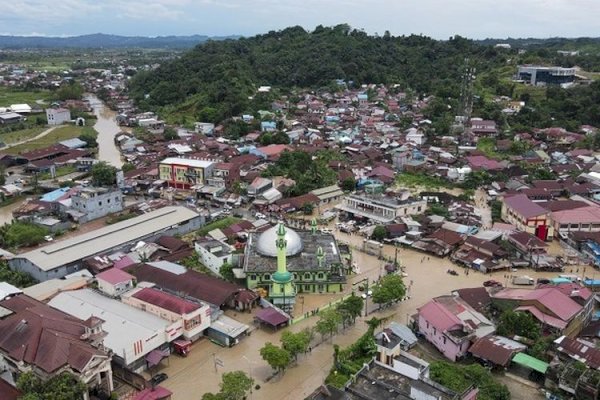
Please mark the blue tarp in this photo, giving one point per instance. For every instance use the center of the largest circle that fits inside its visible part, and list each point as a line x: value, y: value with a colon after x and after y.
x: 54, y: 195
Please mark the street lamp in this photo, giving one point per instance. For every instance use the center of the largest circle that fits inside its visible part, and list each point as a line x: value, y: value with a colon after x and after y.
x: 366, y: 280
x: 250, y: 372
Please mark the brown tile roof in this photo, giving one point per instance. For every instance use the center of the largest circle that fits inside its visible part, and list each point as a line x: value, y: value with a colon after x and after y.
x: 497, y: 349
x: 477, y: 297
x: 42, y: 336
x: 200, y: 286
x: 521, y: 204
x: 8, y: 392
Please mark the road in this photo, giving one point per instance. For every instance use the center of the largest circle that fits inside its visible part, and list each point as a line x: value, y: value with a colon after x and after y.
x: 41, y: 135
x: 427, y: 278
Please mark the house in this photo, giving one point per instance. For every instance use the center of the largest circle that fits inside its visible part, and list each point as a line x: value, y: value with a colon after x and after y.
x: 527, y: 216
x: 58, y: 116
x: 7, y: 118
x: 483, y: 128
x: 328, y: 194
x: 214, y: 253
x: 36, y: 337
x: 192, y: 318
x: 259, y: 185
x: 415, y: 136
x: 496, y: 351
x: 114, y: 282
x: 479, y: 163
x: 205, y: 128
x: 268, y: 126
x: 131, y: 334
x: 578, y: 350
x: 555, y: 310
x: 450, y: 324
x: 91, y: 203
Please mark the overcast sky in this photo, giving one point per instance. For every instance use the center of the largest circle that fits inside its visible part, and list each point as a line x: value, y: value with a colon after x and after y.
x: 437, y: 18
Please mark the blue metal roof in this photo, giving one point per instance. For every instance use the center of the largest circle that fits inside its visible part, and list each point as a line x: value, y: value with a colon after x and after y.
x: 55, y: 194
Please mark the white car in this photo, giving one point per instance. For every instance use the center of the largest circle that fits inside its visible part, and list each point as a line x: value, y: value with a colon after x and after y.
x: 368, y: 294
x: 48, y: 238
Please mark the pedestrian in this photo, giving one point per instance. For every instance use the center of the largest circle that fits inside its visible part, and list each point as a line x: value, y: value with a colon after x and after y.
x: 309, y: 349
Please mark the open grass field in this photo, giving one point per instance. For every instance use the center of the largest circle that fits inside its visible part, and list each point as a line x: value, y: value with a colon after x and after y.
x: 57, y: 135
x: 22, y: 134
x: 10, y: 96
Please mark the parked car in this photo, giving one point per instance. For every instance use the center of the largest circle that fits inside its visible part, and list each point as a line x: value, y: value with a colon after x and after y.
x: 491, y: 282
x: 158, y: 378
x: 368, y: 294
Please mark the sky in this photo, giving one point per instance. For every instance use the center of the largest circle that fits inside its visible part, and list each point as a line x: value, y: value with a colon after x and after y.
x: 440, y: 19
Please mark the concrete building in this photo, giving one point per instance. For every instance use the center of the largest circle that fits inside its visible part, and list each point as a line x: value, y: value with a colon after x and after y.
x: 539, y: 75
x: 192, y: 318
x: 113, y: 282
x: 38, y: 338
x: 95, y: 202
x: 382, y: 208
x: 184, y: 173
x: 214, y: 253
x: 527, y: 216
x: 61, y: 258
x: 131, y: 333
x: 58, y: 116
x: 312, y: 258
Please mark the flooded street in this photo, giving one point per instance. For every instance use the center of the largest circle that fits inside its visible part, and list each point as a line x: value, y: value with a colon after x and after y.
x: 6, y: 211
x: 107, y: 129
x: 426, y: 278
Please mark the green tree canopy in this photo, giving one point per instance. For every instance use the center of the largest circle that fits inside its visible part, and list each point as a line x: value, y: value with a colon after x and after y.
x: 277, y: 357
x: 295, y: 343
x: 379, y: 233
x: 19, y: 234
x: 226, y: 272
x: 351, y: 308
x: 459, y: 378
x: 329, y: 321
x: 103, y: 174
x: 523, y: 324
x: 389, y: 289
x: 89, y: 139
x: 61, y: 387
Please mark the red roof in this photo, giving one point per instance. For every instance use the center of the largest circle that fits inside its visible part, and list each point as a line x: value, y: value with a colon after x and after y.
x: 166, y: 301
x: 482, y: 162
x: 114, y: 276
x: 436, y: 314
x: 157, y: 393
x: 8, y: 392
x: 39, y: 335
x: 580, y: 351
x: 553, y: 299
x: 272, y: 149
x: 497, y: 349
x: 521, y: 204
x: 271, y: 316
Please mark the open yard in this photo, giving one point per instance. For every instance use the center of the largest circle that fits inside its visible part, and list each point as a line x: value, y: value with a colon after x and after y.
x: 10, y: 96
x: 57, y: 135
x: 21, y: 134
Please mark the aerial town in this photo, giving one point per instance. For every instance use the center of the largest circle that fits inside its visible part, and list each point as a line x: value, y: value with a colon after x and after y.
x: 358, y: 240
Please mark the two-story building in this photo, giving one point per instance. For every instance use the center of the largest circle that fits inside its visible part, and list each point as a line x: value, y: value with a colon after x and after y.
x: 91, y: 203
x: 192, y: 318
x: 58, y: 116
x: 450, y: 324
x: 527, y: 216
x: 132, y: 334
x: 35, y: 337
x: 184, y: 173
x: 214, y: 253
x: 114, y: 282
x: 382, y: 208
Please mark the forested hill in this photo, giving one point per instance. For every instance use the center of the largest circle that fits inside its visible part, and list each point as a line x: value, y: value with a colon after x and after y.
x: 218, y: 77
x: 100, y: 40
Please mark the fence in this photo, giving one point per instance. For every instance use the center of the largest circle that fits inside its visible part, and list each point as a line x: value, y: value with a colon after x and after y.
x: 316, y: 311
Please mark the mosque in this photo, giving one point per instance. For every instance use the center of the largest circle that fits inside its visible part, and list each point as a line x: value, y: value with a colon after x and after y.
x: 285, y: 262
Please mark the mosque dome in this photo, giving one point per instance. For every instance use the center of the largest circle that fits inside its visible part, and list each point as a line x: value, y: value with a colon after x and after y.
x: 267, y: 242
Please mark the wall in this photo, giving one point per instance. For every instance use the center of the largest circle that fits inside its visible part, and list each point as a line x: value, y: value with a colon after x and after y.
x: 114, y: 290
x: 210, y: 260
x: 97, y: 205
x: 449, y: 349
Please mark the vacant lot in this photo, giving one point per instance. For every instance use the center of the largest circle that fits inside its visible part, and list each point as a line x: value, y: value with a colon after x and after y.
x: 10, y: 96
x: 21, y: 134
x: 57, y: 135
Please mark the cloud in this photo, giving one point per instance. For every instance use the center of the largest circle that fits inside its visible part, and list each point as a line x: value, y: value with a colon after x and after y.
x: 437, y: 18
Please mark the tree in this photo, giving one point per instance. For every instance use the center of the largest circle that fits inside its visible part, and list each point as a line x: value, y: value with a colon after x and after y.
x: 226, y: 271
x: 349, y: 184
x: 307, y: 208
x: 379, y: 233
x: 295, y: 343
x: 277, y: 357
x: 103, y: 174
x: 235, y: 385
x: 351, y: 307
x: 70, y: 91
x: 19, y: 234
x: 389, y: 289
x: 89, y: 139
x: 15, y: 278
x: 170, y: 133
x: 523, y: 324
x: 460, y: 378
x: 328, y: 322
x: 61, y: 387
x: 127, y: 167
